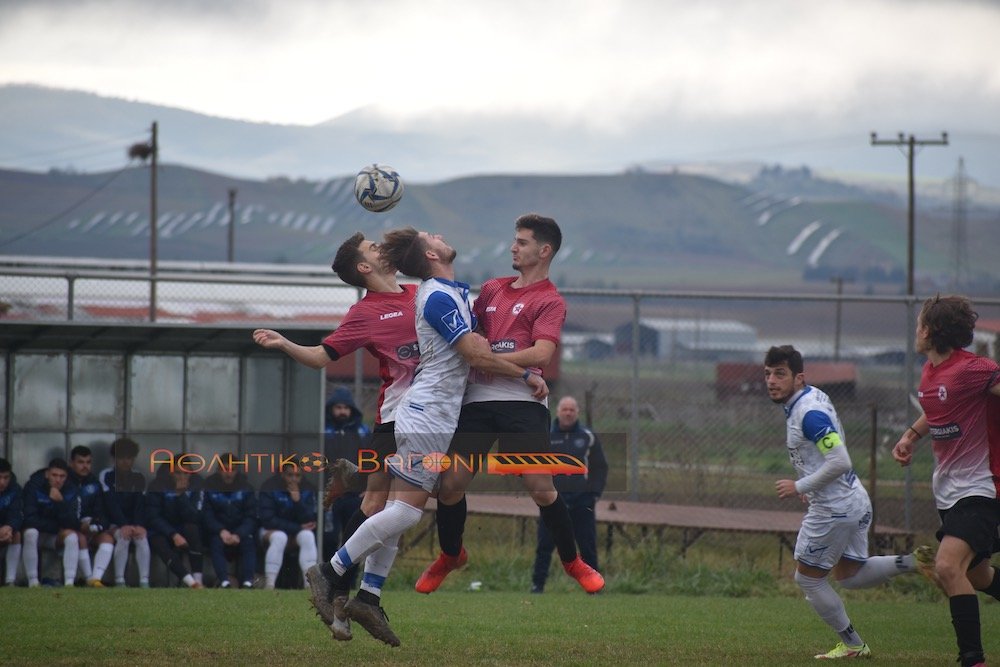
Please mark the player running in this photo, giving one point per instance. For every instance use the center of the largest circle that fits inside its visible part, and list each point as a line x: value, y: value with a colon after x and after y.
x: 834, y: 532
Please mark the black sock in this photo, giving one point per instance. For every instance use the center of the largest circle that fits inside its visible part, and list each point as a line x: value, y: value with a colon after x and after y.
x: 368, y: 597
x: 557, y: 520
x: 965, y: 619
x: 451, y: 526
x: 994, y: 588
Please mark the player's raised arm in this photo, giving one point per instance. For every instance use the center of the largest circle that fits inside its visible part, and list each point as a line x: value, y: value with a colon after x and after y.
x: 314, y: 356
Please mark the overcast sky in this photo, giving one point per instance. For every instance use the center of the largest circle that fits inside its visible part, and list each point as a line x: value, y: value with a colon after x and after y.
x: 824, y: 68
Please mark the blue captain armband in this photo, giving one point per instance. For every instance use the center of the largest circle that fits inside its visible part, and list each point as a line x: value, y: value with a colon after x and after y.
x: 828, y: 442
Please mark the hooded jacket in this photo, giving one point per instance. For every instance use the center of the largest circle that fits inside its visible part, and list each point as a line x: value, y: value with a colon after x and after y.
x: 92, y: 504
x: 43, y: 513
x: 344, y: 439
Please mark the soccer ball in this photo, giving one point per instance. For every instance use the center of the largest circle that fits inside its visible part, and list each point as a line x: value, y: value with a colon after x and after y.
x: 378, y: 187
x: 312, y: 462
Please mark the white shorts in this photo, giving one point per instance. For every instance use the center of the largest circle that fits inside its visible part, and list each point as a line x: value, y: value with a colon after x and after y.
x: 824, y: 540
x: 421, y: 440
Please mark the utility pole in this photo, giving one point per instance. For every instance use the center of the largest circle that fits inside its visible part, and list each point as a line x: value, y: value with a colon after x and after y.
x: 959, y: 252
x: 142, y: 152
x: 911, y: 143
x: 232, y: 226
x: 839, y: 280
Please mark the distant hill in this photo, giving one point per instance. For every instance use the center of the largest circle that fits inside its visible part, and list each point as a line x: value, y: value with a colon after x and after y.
x: 648, y: 229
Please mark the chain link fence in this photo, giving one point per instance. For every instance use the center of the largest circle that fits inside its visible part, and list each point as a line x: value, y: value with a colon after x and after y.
x: 672, y: 381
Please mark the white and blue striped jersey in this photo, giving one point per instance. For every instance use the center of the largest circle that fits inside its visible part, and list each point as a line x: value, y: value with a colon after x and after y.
x: 443, y: 315
x: 813, y: 433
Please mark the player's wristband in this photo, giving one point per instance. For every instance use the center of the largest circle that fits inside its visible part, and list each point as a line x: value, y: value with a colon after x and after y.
x: 527, y: 374
x: 915, y: 432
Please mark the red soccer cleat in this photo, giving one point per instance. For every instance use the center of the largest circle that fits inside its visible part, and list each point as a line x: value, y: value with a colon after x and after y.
x: 439, y: 569
x: 588, y: 578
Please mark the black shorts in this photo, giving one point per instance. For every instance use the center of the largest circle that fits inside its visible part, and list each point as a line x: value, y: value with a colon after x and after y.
x: 974, y: 520
x: 520, y: 426
x: 384, y: 439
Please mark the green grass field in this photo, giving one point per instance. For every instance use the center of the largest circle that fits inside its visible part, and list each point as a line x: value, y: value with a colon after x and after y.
x: 173, y: 626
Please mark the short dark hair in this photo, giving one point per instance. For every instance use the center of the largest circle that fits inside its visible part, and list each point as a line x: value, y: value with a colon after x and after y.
x: 345, y: 263
x: 4, y: 465
x: 59, y: 463
x: 404, y: 249
x: 950, y: 322
x: 80, y: 450
x: 545, y: 230
x: 124, y: 448
x: 781, y: 354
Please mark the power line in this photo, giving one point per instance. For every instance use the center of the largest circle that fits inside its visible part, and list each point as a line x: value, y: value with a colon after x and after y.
x: 55, y: 218
x: 116, y: 141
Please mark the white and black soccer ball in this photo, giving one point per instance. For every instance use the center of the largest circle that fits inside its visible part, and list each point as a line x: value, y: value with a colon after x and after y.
x: 378, y: 187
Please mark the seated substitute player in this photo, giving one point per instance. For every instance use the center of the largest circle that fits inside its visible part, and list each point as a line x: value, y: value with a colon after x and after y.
x: 51, y: 519
x: 960, y: 395
x: 522, y: 317
x: 93, y: 520
x: 287, y: 508
x: 834, y: 532
x: 11, y: 518
x: 173, y: 516
x: 382, y: 323
x: 123, y: 494
x: 229, y: 514
x: 426, y: 416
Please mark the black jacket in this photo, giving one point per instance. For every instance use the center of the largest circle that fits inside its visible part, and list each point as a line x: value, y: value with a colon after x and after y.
x: 167, y: 510
x: 584, y: 444
x: 230, y: 506
x: 277, y: 510
x: 45, y: 515
x: 12, y: 505
x: 92, y: 505
x: 123, y: 496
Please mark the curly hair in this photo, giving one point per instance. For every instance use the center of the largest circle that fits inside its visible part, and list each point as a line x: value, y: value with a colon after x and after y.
x: 950, y: 322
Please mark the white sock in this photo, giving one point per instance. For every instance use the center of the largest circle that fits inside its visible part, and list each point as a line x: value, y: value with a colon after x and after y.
x: 142, y: 559
x: 275, y: 556
x: 376, y: 532
x: 306, y: 539
x: 121, y: 557
x: 825, y: 601
x: 199, y: 577
x: 85, y: 570
x: 188, y: 580
x: 102, y: 559
x: 13, y: 560
x: 878, y: 570
x: 377, y: 567
x: 71, y: 557
x: 30, y: 554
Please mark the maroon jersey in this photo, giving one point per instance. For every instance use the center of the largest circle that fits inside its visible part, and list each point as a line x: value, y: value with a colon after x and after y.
x: 955, y: 396
x: 383, y: 324
x: 513, y: 319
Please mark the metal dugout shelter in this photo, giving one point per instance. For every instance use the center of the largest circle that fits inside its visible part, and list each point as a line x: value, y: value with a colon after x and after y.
x: 186, y: 388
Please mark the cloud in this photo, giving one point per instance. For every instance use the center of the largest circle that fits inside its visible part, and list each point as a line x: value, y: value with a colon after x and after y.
x: 599, y: 63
